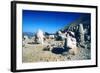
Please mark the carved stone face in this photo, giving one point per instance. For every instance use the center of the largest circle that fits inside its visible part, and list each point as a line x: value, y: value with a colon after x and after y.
x: 71, y: 34
x: 71, y: 41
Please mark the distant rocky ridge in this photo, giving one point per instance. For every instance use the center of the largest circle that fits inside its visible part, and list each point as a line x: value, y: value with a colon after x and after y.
x: 29, y: 34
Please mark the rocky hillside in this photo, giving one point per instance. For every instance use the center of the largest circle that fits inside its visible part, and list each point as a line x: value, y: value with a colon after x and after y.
x: 82, y: 29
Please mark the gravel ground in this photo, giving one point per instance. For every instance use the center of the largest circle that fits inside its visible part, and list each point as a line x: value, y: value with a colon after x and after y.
x: 35, y: 53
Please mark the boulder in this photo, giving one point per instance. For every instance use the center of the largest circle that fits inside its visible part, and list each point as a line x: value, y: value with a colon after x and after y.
x: 25, y: 37
x: 61, y: 36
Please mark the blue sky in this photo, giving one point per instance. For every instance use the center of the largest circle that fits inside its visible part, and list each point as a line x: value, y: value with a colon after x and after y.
x: 47, y: 21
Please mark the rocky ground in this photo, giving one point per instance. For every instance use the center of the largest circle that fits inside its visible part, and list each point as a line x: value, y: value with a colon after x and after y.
x: 33, y: 52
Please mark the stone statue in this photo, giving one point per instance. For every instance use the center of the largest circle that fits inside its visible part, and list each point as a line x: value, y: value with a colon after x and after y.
x: 70, y: 43
x: 39, y: 37
x: 81, y: 33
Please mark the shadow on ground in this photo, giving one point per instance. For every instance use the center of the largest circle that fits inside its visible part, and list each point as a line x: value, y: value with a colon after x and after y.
x: 57, y: 50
